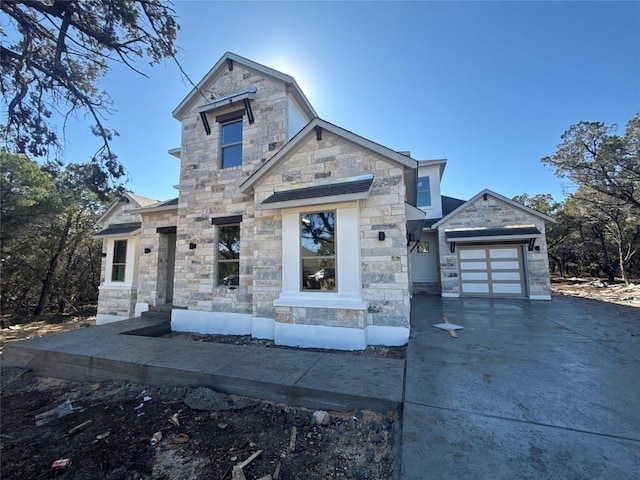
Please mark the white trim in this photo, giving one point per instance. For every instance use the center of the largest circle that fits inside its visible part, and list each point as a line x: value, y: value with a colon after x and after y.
x: 450, y: 295
x: 539, y: 297
x: 320, y: 336
x: 347, y: 261
x: 326, y: 300
x: 288, y: 334
x: 139, y: 308
x: 102, y: 318
x: 211, y: 322
x: 388, y: 336
x: 118, y: 286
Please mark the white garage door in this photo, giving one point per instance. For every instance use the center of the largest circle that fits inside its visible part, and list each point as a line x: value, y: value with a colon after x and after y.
x: 491, y: 270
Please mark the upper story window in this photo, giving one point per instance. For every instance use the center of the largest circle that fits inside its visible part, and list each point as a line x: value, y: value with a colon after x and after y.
x: 318, y: 251
x: 119, y: 263
x: 424, y: 192
x: 232, y: 144
x: 229, y: 255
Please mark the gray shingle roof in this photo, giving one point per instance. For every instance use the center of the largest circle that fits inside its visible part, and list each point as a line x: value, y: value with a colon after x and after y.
x: 329, y: 190
x: 119, y: 229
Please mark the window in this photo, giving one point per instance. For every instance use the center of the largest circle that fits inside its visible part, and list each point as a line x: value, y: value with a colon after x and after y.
x: 229, y: 255
x: 232, y: 144
x: 119, y: 260
x: 424, y: 192
x: 423, y: 247
x: 318, y: 251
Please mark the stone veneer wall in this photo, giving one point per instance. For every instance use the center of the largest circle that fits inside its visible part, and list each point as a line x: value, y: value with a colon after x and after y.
x: 152, y: 271
x: 489, y: 213
x: 117, y: 302
x: 384, y: 265
x: 113, y: 301
x: 206, y: 191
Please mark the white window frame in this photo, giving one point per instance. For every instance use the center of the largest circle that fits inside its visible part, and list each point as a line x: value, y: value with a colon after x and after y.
x: 131, y: 265
x: 349, y: 279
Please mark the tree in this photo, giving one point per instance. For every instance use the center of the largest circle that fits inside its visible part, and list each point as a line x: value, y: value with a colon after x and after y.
x: 591, y: 156
x: 48, y: 253
x: 53, y: 54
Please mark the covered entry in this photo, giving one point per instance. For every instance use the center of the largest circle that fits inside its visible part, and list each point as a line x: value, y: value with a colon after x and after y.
x: 491, y: 270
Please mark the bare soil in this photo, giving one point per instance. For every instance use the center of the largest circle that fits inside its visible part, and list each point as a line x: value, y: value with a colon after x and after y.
x: 596, y: 289
x: 355, y: 445
x: 206, y: 444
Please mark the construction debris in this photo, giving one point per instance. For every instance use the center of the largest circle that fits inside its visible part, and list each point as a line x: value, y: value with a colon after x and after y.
x: 80, y: 427
x: 61, y: 410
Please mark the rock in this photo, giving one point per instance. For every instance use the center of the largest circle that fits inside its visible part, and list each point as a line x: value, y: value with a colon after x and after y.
x: 320, y: 417
x: 244, y: 403
x: 206, y: 399
x: 361, y: 473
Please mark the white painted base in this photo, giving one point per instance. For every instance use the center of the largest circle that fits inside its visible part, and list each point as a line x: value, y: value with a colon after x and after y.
x: 539, y: 297
x: 102, y: 318
x: 289, y: 334
x: 141, y: 307
x: 450, y: 295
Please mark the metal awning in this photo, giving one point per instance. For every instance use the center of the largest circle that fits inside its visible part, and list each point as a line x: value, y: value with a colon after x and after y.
x: 491, y: 234
x: 353, y: 189
x: 120, y: 230
x: 244, y: 96
x: 517, y: 233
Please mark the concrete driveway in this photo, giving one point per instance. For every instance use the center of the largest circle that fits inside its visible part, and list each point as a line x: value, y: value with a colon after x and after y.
x: 529, y: 390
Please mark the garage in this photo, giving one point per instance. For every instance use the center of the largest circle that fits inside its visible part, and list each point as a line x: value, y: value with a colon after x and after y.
x: 491, y: 270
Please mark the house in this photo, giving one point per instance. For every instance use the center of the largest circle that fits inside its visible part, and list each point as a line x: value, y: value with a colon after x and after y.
x: 291, y: 228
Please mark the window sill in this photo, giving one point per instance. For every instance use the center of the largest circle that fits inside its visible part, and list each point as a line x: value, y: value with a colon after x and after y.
x: 320, y: 300
x: 116, y: 286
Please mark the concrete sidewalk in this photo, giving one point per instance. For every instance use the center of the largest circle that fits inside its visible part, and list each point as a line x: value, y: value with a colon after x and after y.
x: 332, y: 381
x: 540, y: 390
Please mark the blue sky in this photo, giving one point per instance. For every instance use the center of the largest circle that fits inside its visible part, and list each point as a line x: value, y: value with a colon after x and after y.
x: 490, y: 86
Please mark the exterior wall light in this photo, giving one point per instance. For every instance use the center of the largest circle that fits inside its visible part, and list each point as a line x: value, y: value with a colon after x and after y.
x: 381, y: 236
x: 192, y: 246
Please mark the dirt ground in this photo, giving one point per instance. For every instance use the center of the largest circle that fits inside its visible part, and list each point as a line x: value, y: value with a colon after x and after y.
x: 206, y: 444
x: 596, y: 289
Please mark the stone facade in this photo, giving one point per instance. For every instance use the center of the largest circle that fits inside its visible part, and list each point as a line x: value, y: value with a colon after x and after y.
x: 383, y: 264
x: 495, y: 213
x: 208, y: 191
x: 285, y: 148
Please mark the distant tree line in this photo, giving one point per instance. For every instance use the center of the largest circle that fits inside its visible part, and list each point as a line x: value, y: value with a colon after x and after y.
x: 597, y: 233
x: 49, y: 259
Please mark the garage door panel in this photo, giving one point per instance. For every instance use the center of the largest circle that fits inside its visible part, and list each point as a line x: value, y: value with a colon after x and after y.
x: 511, y: 288
x: 475, y: 276
x: 515, y: 276
x: 511, y: 265
x: 475, y: 288
x: 473, y: 253
x: 473, y: 265
x: 503, y: 253
x: 491, y: 270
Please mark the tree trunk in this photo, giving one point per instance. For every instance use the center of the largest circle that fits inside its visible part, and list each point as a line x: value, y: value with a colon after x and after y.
x: 53, y: 263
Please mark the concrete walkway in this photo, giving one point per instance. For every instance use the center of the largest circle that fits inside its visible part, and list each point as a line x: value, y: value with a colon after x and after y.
x: 331, y: 381
x: 529, y: 390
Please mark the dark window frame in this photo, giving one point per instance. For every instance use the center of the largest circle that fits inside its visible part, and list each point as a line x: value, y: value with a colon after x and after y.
x: 226, y: 121
x: 119, y: 265
x: 326, y: 281
x: 235, y: 276
x: 423, y: 190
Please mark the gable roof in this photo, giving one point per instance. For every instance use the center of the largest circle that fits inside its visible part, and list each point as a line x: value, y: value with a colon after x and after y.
x: 137, y: 200
x: 486, y: 191
x: 310, y: 129
x: 250, y: 64
x: 171, y: 204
